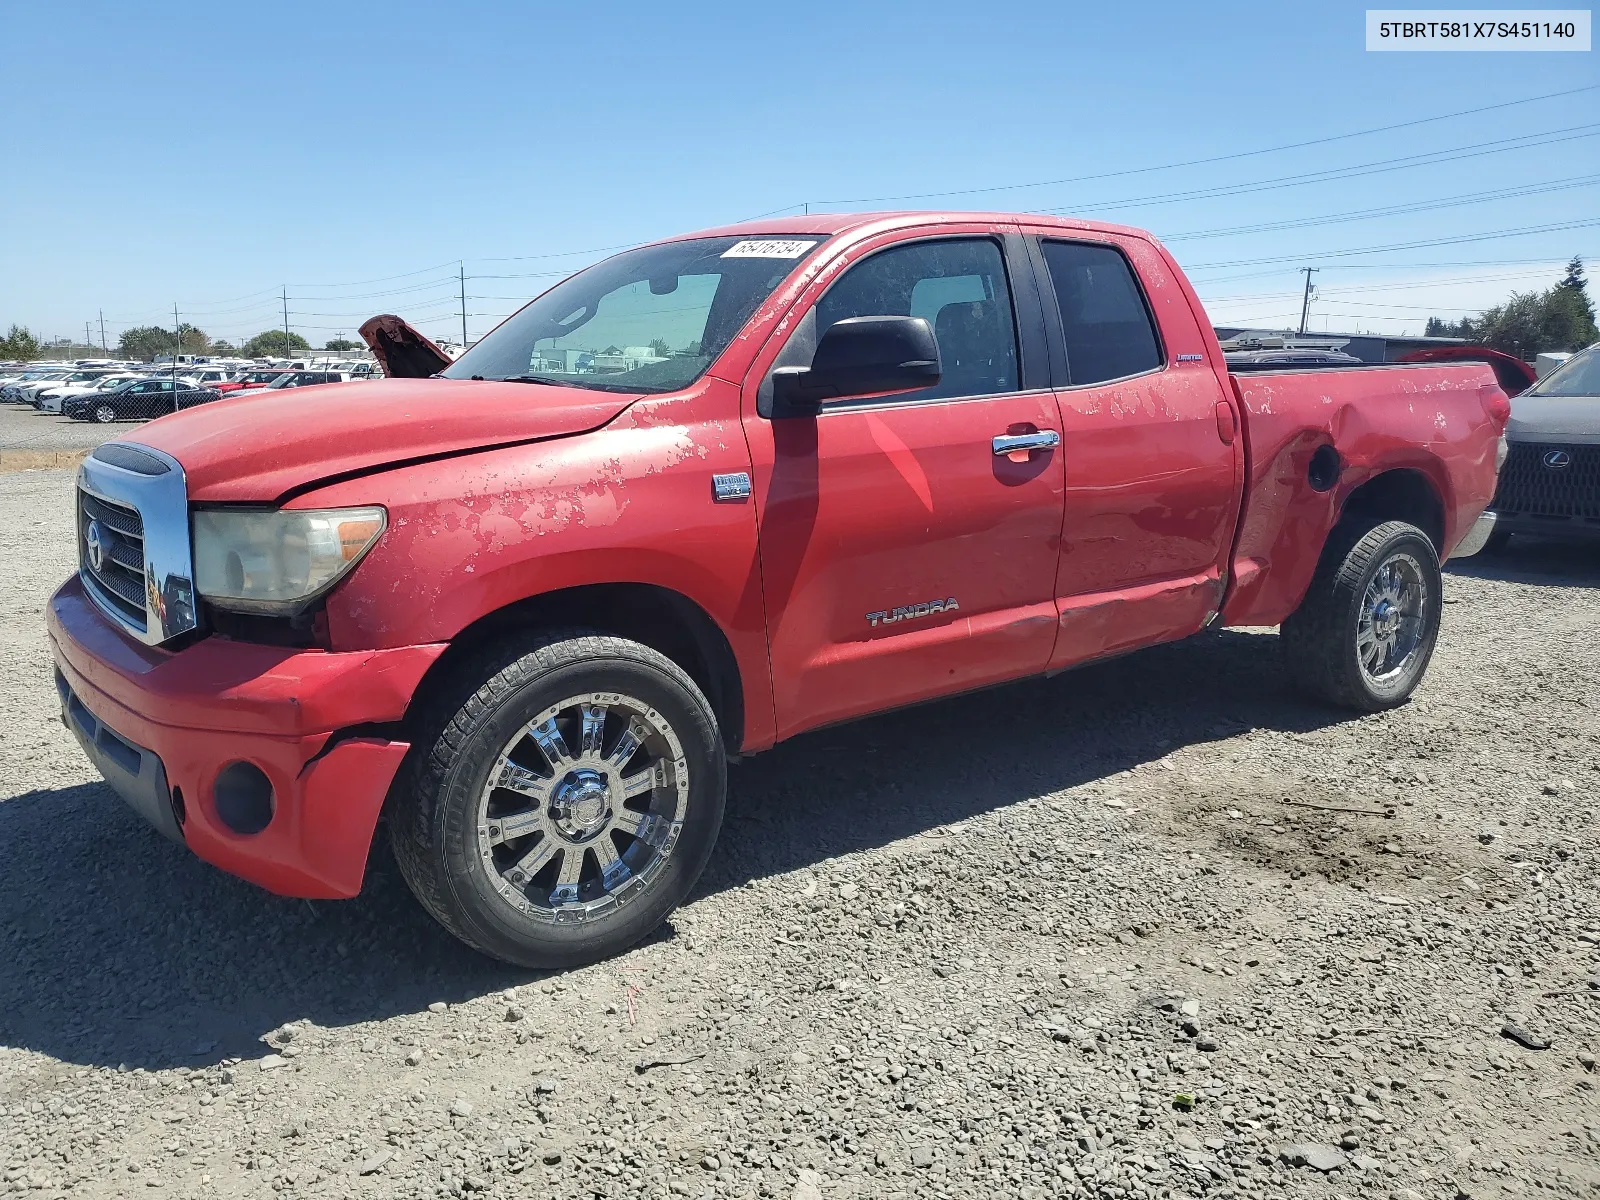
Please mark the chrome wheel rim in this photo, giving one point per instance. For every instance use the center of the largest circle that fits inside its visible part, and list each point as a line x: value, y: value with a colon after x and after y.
x: 582, y: 807
x: 1393, y: 619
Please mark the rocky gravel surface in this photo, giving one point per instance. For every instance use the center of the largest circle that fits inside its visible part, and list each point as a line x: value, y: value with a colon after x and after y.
x: 1150, y: 929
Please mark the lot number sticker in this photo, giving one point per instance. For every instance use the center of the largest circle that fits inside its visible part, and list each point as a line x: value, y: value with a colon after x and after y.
x: 769, y: 248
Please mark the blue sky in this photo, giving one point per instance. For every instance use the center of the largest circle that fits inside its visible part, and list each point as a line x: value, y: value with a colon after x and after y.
x: 206, y: 154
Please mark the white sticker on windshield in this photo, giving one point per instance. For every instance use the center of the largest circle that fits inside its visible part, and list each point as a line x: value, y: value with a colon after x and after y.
x: 768, y: 248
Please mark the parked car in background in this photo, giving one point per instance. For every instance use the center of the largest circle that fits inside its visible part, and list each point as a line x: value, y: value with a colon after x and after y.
x: 1550, y: 484
x: 20, y: 390
x: 28, y: 393
x: 1267, y: 360
x: 1514, y: 375
x: 259, y: 377
x: 296, y: 379
x: 51, y: 399
x: 138, y: 401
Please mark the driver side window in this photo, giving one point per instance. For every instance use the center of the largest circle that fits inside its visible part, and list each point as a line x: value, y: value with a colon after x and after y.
x: 959, y: 286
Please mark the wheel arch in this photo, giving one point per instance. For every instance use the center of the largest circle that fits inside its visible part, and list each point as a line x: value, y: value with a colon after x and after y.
x: 665, y: 620
x: 1399, y: 494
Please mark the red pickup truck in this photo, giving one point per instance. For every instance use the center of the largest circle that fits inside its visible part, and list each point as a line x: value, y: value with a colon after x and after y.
x: 703, y: 496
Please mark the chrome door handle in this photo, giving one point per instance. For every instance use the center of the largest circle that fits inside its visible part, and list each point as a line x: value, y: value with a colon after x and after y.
x: 1047, y: 439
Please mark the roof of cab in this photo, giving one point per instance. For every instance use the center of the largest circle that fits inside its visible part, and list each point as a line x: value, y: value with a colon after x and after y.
x: 831, y: 224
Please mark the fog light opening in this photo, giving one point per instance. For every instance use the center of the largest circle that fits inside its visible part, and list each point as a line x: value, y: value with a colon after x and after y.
x: 244, y: 798
x: 180, y: 811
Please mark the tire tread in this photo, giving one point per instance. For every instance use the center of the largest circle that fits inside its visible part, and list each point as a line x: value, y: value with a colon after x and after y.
x: 444, y: 723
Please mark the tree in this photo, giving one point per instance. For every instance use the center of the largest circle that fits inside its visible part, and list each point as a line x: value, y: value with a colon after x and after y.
x: 660, y: 349
x: 272, y: 343
x: 19, y: 343
x: 221, y: 346
x: 1561, y: 318
x: 144, y: 342
x: 1575, y: 282
x: 341, y: 344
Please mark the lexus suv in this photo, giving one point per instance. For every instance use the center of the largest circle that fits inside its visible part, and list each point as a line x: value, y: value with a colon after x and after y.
x: 1550, y: 484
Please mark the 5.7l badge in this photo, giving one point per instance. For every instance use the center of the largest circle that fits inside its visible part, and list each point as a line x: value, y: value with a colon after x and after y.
x: 911, y: 611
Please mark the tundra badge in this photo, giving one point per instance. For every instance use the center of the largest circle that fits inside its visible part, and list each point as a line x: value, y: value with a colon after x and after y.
x: 927, y: 609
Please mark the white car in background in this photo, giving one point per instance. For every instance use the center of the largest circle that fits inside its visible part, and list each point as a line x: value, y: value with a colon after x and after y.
x: 29, y: 393
x: 26, y: 382
x: 50, y: 399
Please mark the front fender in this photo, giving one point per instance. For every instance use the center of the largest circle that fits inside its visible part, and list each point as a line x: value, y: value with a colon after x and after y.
x: 632, y: 503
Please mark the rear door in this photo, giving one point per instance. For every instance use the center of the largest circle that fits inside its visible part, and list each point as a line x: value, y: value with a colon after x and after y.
x: 1154, y: 466
x: 903, y: 554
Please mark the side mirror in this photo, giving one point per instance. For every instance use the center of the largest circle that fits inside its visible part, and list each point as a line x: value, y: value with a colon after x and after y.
x: 859, y: 356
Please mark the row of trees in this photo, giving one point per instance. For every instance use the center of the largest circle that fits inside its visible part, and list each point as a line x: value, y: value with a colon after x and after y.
x: 142, y: 343
x: 1560, y: 318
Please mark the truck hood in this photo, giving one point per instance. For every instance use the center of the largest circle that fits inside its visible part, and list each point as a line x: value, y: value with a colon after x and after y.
x: 1571, y: 419
x: 257, y: 448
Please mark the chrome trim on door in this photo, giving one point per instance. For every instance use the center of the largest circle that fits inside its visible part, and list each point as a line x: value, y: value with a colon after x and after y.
x: 1046, y: 439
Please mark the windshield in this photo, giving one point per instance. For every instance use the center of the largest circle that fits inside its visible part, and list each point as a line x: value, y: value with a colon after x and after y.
x: 648, y: 320
x: 1578, y: 376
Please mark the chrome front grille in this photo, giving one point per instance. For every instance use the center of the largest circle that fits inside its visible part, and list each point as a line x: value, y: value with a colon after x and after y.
x: 111, y: 555
x: 134, y: 552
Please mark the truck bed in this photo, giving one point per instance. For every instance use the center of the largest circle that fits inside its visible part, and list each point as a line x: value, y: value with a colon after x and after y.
x: 1316, y: 436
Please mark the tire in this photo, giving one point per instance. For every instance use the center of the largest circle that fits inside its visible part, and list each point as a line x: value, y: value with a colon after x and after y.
x: 1498, y: 541
x: 105, y: 414
x: 1360, y: 641
x: 494, y: 865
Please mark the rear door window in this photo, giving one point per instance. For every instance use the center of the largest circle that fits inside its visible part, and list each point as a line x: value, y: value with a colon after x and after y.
x: 1104, y: 318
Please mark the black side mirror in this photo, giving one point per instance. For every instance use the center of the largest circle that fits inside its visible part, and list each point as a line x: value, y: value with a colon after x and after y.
x: 859, y: 356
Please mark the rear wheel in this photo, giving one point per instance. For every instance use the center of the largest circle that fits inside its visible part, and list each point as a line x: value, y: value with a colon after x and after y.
x: 565, y: 806
x: 105, y: 414
x: 1363, y: 636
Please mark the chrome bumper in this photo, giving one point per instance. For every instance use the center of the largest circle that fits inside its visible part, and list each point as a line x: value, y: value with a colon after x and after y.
x: 1476, y: 537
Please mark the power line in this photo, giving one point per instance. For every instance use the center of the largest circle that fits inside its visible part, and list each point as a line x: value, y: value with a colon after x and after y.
x: 1449, y: 241
x: 1196, y: 162
x: 1556, y: 185
x: 1427, y: 158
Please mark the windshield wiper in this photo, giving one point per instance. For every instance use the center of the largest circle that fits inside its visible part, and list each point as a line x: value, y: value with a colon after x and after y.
x: 556, y: 381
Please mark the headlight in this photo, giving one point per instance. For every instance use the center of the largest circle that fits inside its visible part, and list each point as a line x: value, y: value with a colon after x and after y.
x: 278, y: 562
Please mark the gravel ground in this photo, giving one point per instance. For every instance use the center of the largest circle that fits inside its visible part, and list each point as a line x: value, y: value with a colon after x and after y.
x: 23, y: 427
x: 1153, y: 928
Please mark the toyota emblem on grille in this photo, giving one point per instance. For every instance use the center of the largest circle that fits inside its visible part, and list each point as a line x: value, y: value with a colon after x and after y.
x: 94, y: 545
x: 1557, y: 460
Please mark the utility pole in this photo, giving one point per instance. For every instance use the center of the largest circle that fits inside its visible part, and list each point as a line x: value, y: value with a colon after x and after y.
x: 103, y: 349
x: 463, y: 267
x: 1305, y: 304
x: 87, y: 344
x: 286, y: 321
x: 177, y: 333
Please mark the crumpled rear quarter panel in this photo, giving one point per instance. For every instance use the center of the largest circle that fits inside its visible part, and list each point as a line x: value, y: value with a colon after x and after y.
x: 1431, y: 419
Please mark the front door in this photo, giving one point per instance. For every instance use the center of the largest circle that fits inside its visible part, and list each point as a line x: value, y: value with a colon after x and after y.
x: 905, y: 552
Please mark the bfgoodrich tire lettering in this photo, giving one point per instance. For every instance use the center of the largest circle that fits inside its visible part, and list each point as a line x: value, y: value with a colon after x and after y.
x: 1364, y: 634
x: 561, y: 808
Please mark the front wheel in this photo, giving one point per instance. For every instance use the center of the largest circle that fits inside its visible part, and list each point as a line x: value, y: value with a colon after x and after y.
x: 1364, y: 634
x: 557, y: 813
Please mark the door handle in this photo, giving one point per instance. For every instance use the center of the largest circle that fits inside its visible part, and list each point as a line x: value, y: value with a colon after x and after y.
x: 1011, y: 443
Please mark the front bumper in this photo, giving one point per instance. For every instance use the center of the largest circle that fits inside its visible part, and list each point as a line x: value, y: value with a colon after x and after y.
x: 161, y: 727
x: 1565, y: 529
